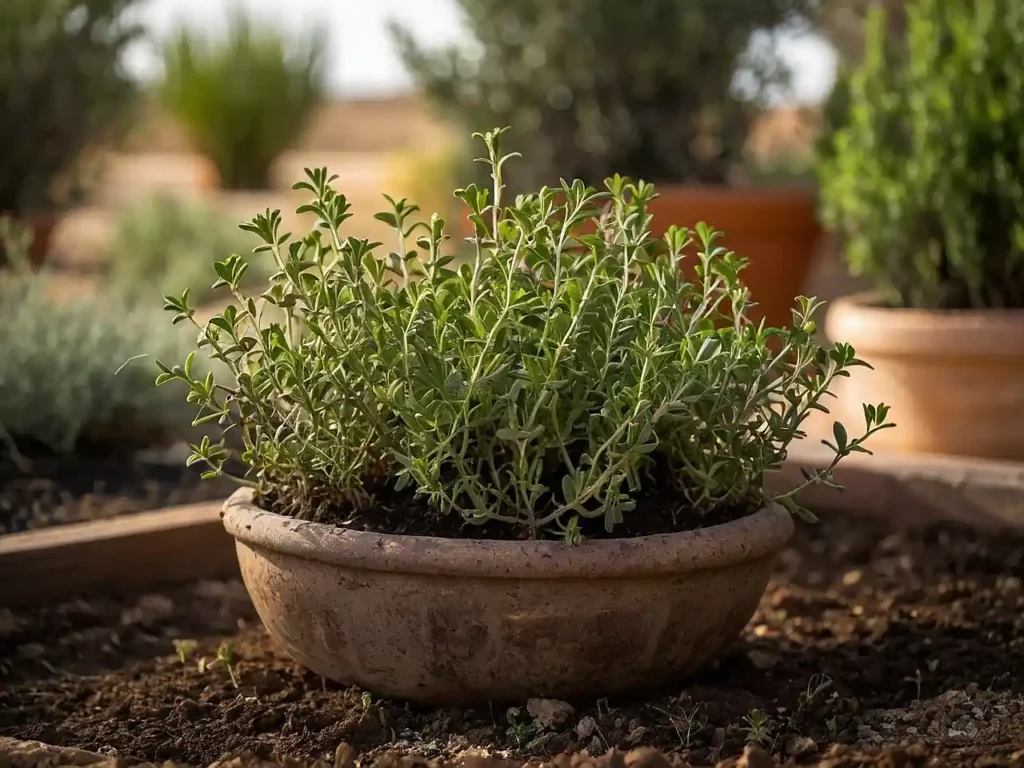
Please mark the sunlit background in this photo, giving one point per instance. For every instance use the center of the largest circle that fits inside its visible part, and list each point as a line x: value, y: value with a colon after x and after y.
x: 135, y: 135
x: 363, y: 59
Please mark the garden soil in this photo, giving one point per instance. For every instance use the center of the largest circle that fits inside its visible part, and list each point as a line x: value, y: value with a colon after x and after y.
x: 42, y: 492
x: 871, y: 647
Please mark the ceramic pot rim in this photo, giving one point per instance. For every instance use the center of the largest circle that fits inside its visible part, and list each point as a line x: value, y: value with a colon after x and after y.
x: 874, y: 329
x: 759, y: 535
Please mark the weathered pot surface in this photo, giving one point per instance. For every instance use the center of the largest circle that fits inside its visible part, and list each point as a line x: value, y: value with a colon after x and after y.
x: 461, y: 620
x: 952, y: 378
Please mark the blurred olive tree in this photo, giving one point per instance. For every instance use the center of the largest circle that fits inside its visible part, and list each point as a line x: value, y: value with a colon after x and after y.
x: 62, y: 90
x: 665, y: 90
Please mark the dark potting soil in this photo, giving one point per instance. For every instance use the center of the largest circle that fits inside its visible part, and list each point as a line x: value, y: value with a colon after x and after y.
x: 42, y: 491
x: 871, y: 647
x: 658, y: 510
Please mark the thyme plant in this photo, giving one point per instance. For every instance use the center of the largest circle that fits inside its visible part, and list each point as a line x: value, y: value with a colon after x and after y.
x: 564, y: 369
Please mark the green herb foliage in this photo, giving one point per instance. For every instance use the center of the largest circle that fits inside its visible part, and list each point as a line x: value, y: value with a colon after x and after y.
x: 926, y: 180
x: 219, y: 93
x: 549, y: 379
x: 63, y: 375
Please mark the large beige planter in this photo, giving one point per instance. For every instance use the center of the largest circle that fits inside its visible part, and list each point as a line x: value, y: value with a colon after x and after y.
x: 456, y: 620
x: 955, y: 380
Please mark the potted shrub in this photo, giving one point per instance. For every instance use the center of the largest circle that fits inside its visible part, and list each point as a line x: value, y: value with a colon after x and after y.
x: 663, y: 91
x: 540, y: 473
x: 218, y: 92
x: 925, y: 184
x: 63, y: 91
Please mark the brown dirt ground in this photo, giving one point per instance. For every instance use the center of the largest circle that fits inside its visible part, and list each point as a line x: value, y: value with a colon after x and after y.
x: 55, y: 491
x: 871, y: 647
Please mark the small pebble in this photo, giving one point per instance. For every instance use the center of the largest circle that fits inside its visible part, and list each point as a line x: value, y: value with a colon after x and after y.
x: 549, y: 712
x: 755, y: 757
x: 345, y: 756
x: 585, y: 728
x: 852, y: 578
x: 646, y: 757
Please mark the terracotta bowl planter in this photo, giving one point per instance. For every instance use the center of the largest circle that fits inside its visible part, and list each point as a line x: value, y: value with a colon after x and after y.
x: 458, y: 620
x: 776, y: 228
x: 955, y: 380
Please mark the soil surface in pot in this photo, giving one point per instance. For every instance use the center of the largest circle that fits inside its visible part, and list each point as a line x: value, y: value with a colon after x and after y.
x: 871, y: 647
x: 659, y: 509
x: 48, y: 490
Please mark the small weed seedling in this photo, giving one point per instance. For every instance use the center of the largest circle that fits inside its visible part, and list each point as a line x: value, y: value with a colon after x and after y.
x: 917, y: 679
x: 759, y: 728
x: 690, y: 718
x: 226, y: 658
x: 520, y: 731
x: 184, y: 649
x: 367, y: 702
x: 833, y: 728
x: 818, y: 684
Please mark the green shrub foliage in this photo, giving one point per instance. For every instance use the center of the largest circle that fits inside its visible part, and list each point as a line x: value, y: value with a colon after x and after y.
x: 219, y: 92
x: 62, y: 90
x: 565, y: 367
x: 926, y: 180
x: 594, y: 87
x: 165, y: 243
x: 63, y: 373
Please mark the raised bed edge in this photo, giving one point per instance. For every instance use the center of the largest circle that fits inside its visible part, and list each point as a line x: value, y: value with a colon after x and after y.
x: 912, y: 489
x: 129, y: 553
x: 137, y: 552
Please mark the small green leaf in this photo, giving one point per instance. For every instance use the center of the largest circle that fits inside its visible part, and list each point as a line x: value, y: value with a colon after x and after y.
x: 568, y: 489
x: 839, y: 432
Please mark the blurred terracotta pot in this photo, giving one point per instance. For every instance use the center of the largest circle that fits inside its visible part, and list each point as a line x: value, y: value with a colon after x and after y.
x: 462, y: 620
x: 954, y: 379
x: 42, y: 225
x: 775, y: 228
x: 207, y: 177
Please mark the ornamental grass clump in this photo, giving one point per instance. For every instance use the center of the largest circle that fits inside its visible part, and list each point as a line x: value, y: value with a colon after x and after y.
x: 219, y: 94
x: 565, y: 380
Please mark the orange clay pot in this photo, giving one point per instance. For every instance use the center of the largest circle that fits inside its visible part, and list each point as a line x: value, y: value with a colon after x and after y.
x: 954, y: 379
x: 775, y: 228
